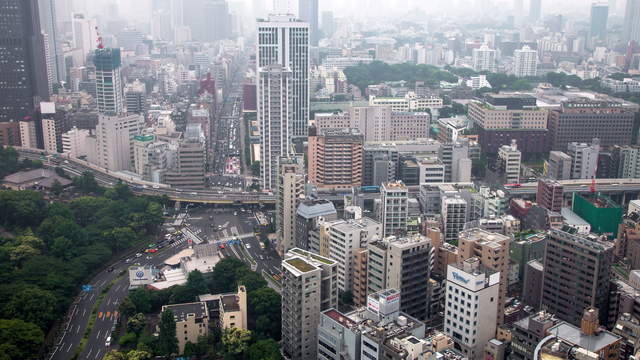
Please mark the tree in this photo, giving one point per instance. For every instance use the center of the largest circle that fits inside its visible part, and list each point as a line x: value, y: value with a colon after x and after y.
x: 196, y: 283
x: 265, y: 350
x: 346, y: 298
x: 139, y: 355
x: 251, y: 280
x: 167, y: 341
x: 115, y: 355
x: 86, y: 183
x: 264, y: 317
x: 223, y: 276
x: 128, y: 340
x: 136, y: 323
x: 57, y: 188
x: 19, y: 340
x: 34, y: 305
x: 235, y: 340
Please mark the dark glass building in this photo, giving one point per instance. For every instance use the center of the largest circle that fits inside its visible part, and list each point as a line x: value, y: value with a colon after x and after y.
x: 23, y: 68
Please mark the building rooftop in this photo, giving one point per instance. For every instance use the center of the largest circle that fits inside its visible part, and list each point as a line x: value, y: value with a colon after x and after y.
x: 600, y: 201
x: 182, y: 311
x: 300, y: 264
x: 230, y: 302
x: 574, y: 335
x: 572, y: 218
x: 340, y: 318
x: 313, y: 256
x: 42, y: 177
x: 313, y: 208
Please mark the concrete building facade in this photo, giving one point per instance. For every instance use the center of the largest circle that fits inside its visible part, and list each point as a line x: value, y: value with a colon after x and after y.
x: 335, y: 158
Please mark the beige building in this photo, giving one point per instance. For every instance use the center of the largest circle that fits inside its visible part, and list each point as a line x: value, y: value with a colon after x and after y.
x: 74, y: 142
x: 335, y: 158
x: 490, y: 116
x: 378, y: 123
x: 359, y: 285
x: 410, y: 102
x: 309, y: 286
x: 290, y: 189
x: 492, y: 249
x: 114, y: 136
x: 28, y: 134
x: 192, y: 321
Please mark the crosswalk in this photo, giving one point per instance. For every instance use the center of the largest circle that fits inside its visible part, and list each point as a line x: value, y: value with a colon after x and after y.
x: 178, y: 242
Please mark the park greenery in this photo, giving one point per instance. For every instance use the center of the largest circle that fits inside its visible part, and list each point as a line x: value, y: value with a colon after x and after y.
x: 259, y: 342
x: 49, y: 249
x: 377, y: 72
x: 9, y: 162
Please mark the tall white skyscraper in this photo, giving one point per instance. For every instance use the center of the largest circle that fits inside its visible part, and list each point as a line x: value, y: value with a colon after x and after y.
x: 85, y: 34
x: 275, y: 111
x: 290, y: 190
x: 631, y: 30
x: 284, y: 40
x: 526, y: 62
x: 484, y: 59
x: 109, y: 88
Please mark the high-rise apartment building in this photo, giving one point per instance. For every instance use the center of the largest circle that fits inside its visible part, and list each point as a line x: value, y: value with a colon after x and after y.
x: 309, y: 286
x: 291, y: 180
x: 559, y: 166
x: 510, y: 159
x: 23, y: 68
x: 51, y: 131
x: 576, y: 275
x: 631, y: 29
x: 109, y: 87
x: 492, y: 250
x: 394, y: 208
x: 275, y: 111
x: 328, y: 24
x: 484, y: 59
x: 136, y: 97
x: 402, y: 263
x: 335, y: 158
x: 308, y: 12
x: 526, y: 62
x: 584, y: 159
x: 28, y: 134
x: 584, y: 119
x: 345, y: 237
x: 284, y: 40
x: 74, y: 142
x: 599, y: 17
x: 453, y: 212
x: 471, y: 306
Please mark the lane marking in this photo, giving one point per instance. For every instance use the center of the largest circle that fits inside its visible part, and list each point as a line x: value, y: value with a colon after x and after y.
x: 69, y: 348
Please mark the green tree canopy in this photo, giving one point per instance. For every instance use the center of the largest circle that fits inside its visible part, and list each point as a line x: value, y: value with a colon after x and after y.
x: 19, y: 340
x: 167, y: 341
x: 265, y: 350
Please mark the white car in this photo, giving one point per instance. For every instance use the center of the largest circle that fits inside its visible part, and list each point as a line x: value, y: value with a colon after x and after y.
x: 108, y: 342
x: 248, y: 246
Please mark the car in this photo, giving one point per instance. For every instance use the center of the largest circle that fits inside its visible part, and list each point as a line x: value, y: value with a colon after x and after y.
x: 149, y: 257
x: 108, y: 342
x: 156, y: 186
x: 154, y: 250
x: 221, y: 246
x: 138, y: 255
x: 114, y: 326
x: 248, y: 246
x: 261, y: 257
x: 127, y: 260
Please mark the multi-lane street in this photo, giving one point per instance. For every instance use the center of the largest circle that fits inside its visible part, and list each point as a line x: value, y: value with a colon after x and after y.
x: 81, y: 310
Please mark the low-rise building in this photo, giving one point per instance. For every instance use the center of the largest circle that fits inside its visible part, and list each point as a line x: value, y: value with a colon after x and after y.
x: 192, y: 322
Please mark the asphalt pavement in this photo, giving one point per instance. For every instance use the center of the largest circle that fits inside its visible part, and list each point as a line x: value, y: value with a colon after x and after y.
x: 234, y: 223
x: 80, y: 311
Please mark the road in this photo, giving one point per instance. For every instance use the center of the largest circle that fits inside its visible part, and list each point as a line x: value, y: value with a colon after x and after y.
x: 207, y: 219
x: 80, y: 311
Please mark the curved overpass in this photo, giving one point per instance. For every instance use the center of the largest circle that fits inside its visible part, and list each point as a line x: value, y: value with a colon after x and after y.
x: 108, y: 179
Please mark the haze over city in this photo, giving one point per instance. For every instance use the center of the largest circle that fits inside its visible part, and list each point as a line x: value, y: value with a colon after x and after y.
x: 320, y: 179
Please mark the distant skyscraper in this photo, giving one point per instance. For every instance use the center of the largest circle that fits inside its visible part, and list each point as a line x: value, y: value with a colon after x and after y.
x: 23, y: 69
x: 275, y: 118
x: 109, y: 87
x: 284, y: 40
x: 535, y: 10
x: 308, y: 12
x: 518, y: 11
x: 631, y: 30
x: 526, y: 62
x: 599, y: 16
x: 328, y: 24
x: 209, y: 20
x: 85, y: 34
x: 48, y: 22
x: 484, y: 59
